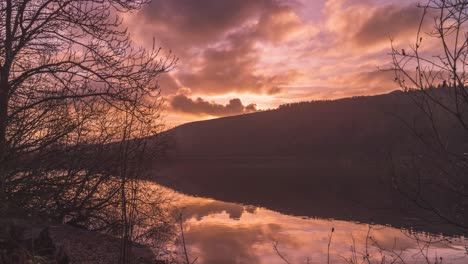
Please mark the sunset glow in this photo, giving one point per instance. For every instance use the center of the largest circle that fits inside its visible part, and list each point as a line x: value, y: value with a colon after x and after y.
x: 270, y: 52
x: 234, y: 131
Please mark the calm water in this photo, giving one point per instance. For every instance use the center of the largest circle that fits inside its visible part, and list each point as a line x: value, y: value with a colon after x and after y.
x: 218, y: 232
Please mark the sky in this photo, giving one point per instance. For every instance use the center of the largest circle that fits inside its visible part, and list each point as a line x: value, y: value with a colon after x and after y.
x: 241, y: 56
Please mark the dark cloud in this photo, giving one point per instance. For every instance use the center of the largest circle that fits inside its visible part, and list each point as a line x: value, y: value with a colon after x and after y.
x: 202, y: 21
x: 184, y: 104
x: 251, y: 108
x: 389, y: 21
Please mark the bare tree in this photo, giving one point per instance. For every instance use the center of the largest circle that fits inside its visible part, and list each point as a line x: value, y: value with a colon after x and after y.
x: 75, y: 97
x: 433, y: 73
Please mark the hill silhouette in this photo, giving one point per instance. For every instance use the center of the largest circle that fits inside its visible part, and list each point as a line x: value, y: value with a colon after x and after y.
x: 356, y: 126
x: 330, y: 159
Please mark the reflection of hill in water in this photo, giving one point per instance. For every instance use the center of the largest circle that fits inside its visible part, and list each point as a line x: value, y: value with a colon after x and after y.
x: 327, y: 159
x: 220, y: 232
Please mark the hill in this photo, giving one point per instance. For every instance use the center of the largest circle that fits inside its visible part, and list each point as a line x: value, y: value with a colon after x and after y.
x: 332, y: 159
x: 356, y: 126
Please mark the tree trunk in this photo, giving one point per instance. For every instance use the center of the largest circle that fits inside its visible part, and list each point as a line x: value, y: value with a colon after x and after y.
x: 3, y: 126
x: 4, y: 98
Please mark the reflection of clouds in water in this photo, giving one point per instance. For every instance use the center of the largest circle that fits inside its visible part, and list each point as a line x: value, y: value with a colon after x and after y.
x: 234, y: 235
x: 220, y: 232
x: 219, y: 243
x: 201, y: 209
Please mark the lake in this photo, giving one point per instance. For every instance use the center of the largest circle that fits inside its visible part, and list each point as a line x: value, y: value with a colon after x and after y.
x: 218, y: 232
x: 260, y: 210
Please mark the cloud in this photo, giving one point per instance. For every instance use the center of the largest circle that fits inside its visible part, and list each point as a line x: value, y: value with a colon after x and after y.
x: 169, y: 84
x: 389, y: 21
x: 254, y: 50
x: 280, y: 24
x: 274, y: 90
x: 183, y: 103
x: 202, y: 21
x: 218, y: 41
x: 359, y: 29
x: 232, y: 68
